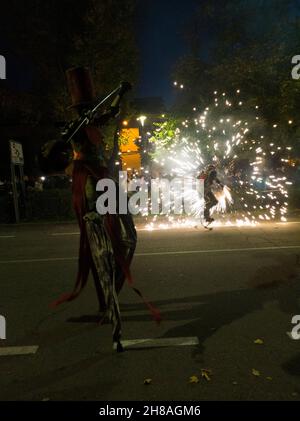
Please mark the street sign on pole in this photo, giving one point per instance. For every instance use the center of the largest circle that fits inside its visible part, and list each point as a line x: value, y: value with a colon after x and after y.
x: 16, y: 153
x: 16, y: 159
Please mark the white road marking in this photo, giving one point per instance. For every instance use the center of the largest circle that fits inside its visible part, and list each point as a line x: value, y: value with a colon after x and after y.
x: 59, y: 234
x: 162, y: 253
x: 159, y: 342
x: 167, y: 253
x: 7, y: 236
x: 44, y: 260
x: 18, y: 350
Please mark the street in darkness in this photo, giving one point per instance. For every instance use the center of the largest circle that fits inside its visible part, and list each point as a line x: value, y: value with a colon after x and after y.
x: 232, y: 290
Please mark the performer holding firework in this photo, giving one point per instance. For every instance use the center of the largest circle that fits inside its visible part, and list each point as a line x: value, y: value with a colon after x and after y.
x: 210, y: 178
x: 107, y: 242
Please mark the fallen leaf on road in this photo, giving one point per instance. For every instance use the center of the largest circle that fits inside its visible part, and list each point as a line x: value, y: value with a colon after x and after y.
x: 255, y: 372
x: 259, y: 342
x: 269, y: 378
x: 194, y: 379
x: 205, y: 373
x: 147, y: 381
x: 294, y: 394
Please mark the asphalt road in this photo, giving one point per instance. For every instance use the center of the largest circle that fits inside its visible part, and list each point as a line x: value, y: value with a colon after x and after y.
x: 228, y: 288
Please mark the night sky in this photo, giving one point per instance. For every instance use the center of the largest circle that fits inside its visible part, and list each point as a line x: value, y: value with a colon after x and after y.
x: 161, y: 40
x: 159, y: 33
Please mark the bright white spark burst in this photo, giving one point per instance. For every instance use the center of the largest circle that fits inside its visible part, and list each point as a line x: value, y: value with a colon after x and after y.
x: 251, y: 167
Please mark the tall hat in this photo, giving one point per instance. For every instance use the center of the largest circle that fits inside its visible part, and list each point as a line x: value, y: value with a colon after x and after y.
x: 81, y: 86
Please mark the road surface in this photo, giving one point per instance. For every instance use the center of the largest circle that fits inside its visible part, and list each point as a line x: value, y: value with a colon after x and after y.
x: 218, y: 293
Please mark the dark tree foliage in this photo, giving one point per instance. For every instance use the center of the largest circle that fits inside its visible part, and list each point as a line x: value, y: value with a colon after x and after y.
x: 41, y: 39
x: 49, y: 36
x: 247, y: 45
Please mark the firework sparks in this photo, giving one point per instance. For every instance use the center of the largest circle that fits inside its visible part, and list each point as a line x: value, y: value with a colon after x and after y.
x: 252, y: 168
